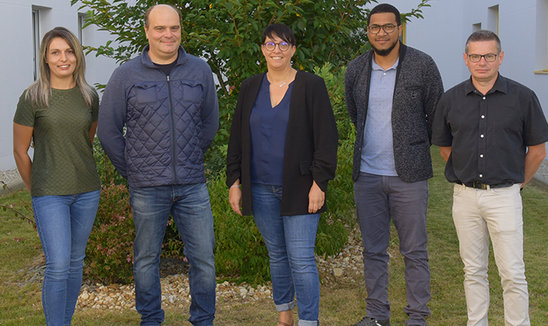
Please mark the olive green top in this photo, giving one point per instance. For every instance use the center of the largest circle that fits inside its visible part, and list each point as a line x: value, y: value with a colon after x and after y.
x: 63, y: 162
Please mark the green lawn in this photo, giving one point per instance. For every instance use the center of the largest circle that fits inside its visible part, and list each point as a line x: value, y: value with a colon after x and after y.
x: 341, y: 304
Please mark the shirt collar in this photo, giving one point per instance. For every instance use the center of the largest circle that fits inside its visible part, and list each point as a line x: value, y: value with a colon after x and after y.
x: 501, y: 85
x: 375, y: 66
x: 145, y: 58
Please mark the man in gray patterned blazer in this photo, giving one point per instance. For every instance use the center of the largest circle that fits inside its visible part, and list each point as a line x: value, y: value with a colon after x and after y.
x: 391, y: 94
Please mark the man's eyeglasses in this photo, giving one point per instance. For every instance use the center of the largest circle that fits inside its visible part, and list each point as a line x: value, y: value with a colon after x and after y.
x: 271, y: 46
x: 387, y: 28
x: 489, y: 57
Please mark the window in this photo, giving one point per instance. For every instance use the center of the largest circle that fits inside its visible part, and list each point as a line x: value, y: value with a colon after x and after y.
x: 541, y: 46
x: 476, y: 27
x: 36, y: 41
x: 493, y: 19
x: 81, y: 24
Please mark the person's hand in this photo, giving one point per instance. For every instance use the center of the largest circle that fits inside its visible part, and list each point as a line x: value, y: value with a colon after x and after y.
x: 235, y: 198
x: 316, y: 198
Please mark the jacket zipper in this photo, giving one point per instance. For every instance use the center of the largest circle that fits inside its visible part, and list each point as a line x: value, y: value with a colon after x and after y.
x: 174, y: 159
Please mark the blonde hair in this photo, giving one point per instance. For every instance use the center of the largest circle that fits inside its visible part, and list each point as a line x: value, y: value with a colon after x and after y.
x: 39, y: 92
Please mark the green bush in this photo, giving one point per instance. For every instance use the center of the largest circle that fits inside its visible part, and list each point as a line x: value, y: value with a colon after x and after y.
x: 334, y: 224
x: 109, y: 254
x: 240, y: 253
x: 107, y: 172
x: 334, y: 82
x: 332, y: 230
x: 173, y: 245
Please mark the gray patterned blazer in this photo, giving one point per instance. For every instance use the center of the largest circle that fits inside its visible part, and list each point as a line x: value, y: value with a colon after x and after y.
x: 417, y: 91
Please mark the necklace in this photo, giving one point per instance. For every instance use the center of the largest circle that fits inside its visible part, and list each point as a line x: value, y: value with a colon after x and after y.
x: 285, y: 82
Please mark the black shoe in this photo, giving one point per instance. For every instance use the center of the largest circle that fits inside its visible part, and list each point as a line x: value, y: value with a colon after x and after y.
x: 368, y: 321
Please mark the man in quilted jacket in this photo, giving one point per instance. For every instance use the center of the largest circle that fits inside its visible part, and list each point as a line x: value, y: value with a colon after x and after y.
x: 158, y: 115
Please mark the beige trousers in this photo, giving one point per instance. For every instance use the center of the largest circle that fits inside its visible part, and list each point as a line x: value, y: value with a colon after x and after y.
x: 495, y: 213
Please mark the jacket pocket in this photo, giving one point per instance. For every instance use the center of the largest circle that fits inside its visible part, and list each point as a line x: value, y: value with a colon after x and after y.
x: 145, y: 93
x: 305, y: 167
x: 417, y: 142
x: 414, y: 91
x: 188, y: 92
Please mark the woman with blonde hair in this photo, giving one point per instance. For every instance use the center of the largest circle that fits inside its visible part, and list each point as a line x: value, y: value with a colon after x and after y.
x: 58, y: 114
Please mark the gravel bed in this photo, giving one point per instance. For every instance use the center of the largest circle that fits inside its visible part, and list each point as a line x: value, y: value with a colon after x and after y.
x: 10, y: 180
x: 343, y: 267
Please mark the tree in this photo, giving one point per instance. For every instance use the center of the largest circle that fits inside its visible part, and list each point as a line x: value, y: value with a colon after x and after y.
x: 227, y: 33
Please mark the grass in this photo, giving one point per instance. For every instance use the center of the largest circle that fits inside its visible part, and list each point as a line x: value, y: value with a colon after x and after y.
x: 341, y: 304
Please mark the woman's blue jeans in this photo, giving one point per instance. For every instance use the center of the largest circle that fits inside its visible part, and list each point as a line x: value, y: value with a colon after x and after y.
x: 290, y: 241
x: 64, y: 224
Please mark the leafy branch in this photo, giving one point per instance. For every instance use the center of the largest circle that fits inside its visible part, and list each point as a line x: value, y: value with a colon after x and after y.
x: 12, y: 208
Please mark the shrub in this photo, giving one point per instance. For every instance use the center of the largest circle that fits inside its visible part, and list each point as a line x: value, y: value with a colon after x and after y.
x: 334, y: 224
x: 240, y: 253
x: 109, y: 254
x: 334, y: 81
x: 172, y: 245
x: 107, y: 172
x: 332, y: 230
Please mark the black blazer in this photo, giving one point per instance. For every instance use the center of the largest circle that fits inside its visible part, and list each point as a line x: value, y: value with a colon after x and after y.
x: 310, y: 148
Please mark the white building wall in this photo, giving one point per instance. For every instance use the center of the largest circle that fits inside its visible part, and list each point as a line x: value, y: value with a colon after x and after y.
x: 17, y: 56
x: 522, y: 28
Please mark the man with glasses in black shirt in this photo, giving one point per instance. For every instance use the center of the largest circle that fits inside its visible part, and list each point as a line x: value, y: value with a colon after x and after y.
x: 492, y: 133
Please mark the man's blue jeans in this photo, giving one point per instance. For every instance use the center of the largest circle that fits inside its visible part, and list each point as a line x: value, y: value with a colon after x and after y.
x: 191, y: 210
x: 64, y: 224
x: 290, y: 241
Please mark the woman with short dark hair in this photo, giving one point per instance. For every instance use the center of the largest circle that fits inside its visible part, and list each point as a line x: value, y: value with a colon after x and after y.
x: 281, y: 154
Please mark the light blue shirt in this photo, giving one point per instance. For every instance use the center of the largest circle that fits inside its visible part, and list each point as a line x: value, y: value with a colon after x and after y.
x: 378, y: 151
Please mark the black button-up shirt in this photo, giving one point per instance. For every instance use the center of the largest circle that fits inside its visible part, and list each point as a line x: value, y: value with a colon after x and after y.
x: 488, y: 133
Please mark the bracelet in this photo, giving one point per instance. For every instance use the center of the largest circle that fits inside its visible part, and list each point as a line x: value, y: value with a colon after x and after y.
x: 236, y: 186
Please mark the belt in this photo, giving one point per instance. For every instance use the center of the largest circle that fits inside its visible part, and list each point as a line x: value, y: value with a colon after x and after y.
x: 484, y: 186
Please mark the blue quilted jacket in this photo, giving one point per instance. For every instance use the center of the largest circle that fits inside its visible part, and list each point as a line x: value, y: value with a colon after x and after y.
x: 155, y: 128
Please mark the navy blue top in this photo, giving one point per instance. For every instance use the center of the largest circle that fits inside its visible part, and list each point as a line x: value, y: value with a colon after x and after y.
x: 268, y: 126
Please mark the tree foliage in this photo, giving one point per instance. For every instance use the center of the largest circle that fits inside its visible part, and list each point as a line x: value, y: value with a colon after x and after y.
x: 227, y: 33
